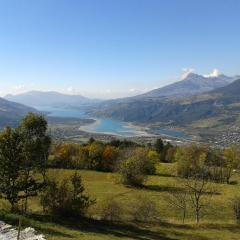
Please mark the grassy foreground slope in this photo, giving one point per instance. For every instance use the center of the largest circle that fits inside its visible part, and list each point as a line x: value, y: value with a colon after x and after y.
x: 218, y: 222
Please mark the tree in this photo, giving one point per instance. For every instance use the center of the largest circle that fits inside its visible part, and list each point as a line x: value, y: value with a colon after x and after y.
x: 159, y: 145
x: 137, y: 164
x: 236, y: 207
x: 232, y: 160
x: 110, y: 154
x: 200, y: 191
x: 191, y: 160
x: 64, y: 155
x: 91, y: 140
x: 150, y: 161
x: 96, y: 155
x: 36, y: 146
x: 170, y: 153
x: 167, y: 147
x: 132, y: 171
x: 11, y: 166
x: 66, y: 198
x: 179, y: 200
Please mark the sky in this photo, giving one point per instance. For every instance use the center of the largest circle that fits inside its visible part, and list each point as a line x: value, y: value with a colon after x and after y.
x: 114, y: 48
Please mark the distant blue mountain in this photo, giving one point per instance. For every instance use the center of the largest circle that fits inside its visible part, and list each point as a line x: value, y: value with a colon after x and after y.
x: 192, y: 84
x: 51, y: 98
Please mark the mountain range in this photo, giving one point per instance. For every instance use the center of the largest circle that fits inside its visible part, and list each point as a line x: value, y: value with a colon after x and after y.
x: 51, y: 98
x: 158, y: 106
x: 194, y: 98
x: 192, y: 84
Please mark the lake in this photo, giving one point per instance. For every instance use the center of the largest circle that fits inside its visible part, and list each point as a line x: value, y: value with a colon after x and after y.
x: 172, y: 133
x: 101, y: 125
x: 109, y: 126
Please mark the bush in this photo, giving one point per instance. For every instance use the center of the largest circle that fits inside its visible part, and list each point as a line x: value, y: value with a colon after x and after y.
x: 150, y: 162
x: 132, y: 172
x: 144, y: 209
x: 137, y: 164
x: 111, y: 210
x: 65, y: 198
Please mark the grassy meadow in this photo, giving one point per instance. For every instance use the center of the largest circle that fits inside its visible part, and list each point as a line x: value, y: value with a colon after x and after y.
x: 217, y: 223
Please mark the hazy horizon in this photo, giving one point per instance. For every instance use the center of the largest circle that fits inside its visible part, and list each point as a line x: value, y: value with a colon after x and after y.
x: 133, y: 92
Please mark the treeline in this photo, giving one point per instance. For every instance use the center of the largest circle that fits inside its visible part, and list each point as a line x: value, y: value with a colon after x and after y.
x: 100, y: 156
x: 215, y: 164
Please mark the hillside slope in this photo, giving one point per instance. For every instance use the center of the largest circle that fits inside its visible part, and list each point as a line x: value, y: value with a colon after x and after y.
x: 192, y: 84
x: 11, y: 112
x: 221, y: 101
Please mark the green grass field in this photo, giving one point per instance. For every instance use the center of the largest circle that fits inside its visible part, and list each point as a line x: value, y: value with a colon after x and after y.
x: 217, y: 223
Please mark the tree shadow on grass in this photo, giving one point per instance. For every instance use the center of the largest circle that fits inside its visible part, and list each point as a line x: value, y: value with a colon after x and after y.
x: 116, y: 229
x: 121, y: 230
x: 132, y: 230
x: 229, y: 227
x: 159, y: 188
x: 165, y: 175
x: 135, y: 230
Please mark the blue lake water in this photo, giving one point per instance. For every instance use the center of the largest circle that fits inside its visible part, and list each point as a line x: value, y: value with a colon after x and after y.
x: 172, y: 133
x: 61, y: 112
x: 102, y: 125
x: 109, y: 126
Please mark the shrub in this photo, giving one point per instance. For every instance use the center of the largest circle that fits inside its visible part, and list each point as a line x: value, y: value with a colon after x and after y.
x: 111, y: 210
x: 144, y: 209
x: 150, y: 162
x: 137, y: 164
x: 65, y: 198
x: 132, y: 171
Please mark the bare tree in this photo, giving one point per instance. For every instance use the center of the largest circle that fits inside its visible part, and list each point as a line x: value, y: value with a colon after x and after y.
x: 236, y: 207
x: 179, y: 200
x: 200, y: 192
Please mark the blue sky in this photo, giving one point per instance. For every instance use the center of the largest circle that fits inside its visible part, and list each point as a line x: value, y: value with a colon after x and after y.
x: 112, y: 48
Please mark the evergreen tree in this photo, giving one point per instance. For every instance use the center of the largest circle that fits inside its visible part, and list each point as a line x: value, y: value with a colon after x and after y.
x: 11, y: 166
x: 159, y: 145
x: 36, y: 145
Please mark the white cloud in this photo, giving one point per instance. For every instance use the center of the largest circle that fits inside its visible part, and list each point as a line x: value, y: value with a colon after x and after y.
x: 19, y: 87
x: 185, y: 72
x: 70, y: 89
x: 132, y: 90
x: 215, y: 73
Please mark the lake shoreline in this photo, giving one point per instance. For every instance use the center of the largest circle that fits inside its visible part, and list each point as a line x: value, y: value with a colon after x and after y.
x: 136, y: 130
x: 111, y: 127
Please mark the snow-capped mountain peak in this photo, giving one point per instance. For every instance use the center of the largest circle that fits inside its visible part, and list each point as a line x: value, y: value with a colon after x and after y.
x: 215, y: 73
